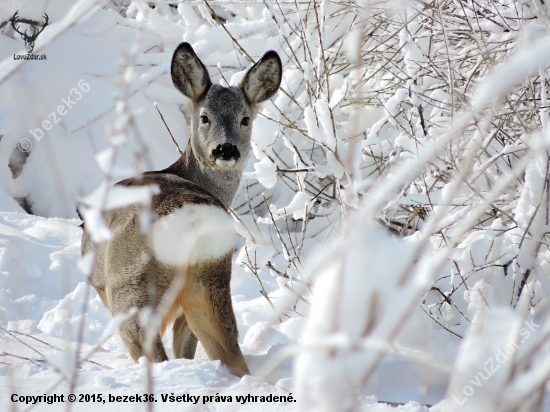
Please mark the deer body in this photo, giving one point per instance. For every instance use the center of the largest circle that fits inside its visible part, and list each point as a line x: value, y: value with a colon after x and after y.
x: 192, y: 239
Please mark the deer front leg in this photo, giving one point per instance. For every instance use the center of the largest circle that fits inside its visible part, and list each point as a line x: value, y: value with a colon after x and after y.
x: 184, y: 343
x: 206, y: 302
x: 126, y: 292
x: 133, y: 336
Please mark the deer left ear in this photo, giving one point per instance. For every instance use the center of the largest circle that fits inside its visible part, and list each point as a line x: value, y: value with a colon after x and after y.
x: 189, y: 74
x: 263, y: 79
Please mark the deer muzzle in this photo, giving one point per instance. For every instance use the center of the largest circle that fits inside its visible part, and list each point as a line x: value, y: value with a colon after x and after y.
x: 226, y: 154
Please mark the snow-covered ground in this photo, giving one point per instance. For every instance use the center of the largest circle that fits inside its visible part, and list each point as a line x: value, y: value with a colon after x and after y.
x: 393, y: 217
x: 46, y: 312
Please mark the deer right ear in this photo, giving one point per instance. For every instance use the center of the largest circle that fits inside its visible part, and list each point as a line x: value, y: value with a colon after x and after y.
x: 189, y: 74
x: 263, y: 79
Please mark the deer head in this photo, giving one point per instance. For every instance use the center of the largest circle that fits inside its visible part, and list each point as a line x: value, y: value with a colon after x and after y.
x: 29, y: 40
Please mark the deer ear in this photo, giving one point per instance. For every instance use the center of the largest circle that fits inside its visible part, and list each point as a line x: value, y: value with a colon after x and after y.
x: 263, y: 79
x: 189, y: 74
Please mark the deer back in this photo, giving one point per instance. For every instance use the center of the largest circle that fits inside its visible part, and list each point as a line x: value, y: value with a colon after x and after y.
x: 189, y: 225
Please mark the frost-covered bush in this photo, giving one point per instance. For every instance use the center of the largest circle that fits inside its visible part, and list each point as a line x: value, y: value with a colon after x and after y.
x: 397, y: 196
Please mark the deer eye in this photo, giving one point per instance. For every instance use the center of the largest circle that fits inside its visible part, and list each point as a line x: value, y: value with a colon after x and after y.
x: 205, y: 119
x: 245, y: 121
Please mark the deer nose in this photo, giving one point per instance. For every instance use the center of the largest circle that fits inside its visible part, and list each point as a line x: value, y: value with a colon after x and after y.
x: 226, y: 151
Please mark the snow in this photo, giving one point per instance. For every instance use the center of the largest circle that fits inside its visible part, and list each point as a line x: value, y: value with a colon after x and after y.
x: 390, y: 232
x: 192, y: 233
x: 265, y: 172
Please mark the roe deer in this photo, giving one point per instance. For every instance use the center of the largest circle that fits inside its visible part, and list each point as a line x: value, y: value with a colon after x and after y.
x: 192, y: 237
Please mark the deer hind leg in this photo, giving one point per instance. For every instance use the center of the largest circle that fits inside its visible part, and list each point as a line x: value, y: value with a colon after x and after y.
x: 184, y: 343
x: 206, y: 302
x: 133, y: 336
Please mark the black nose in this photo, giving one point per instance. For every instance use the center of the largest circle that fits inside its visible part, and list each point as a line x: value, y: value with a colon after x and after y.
x: 226, y: 151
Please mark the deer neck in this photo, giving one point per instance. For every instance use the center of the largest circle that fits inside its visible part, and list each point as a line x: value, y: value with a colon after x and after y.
x: 221, y: 184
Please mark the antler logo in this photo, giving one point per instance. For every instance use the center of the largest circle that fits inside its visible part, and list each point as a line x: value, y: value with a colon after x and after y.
x: 29, y: 40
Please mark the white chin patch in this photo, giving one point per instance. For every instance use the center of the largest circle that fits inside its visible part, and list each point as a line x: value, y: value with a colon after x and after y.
x: 225, y: 163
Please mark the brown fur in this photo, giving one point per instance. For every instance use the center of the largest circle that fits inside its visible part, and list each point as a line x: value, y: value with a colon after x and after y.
x: 127, y: 274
